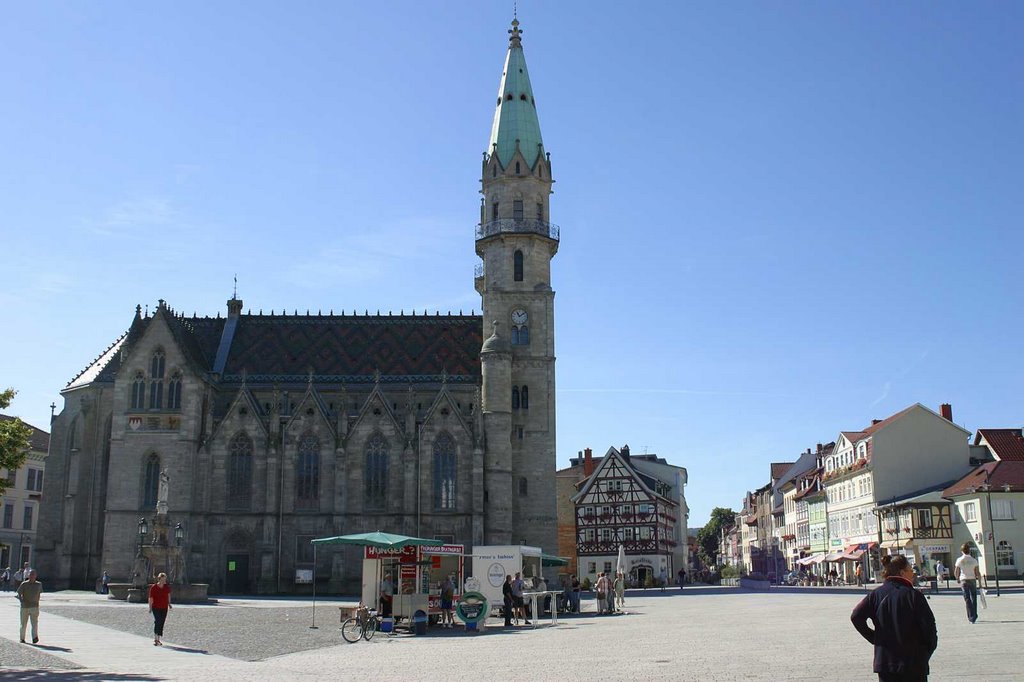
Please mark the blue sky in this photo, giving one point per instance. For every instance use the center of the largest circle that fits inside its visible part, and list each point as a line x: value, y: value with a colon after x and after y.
x: 779, y: 220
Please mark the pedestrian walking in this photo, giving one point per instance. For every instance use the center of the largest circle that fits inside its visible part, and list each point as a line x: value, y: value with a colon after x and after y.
x: 159, y: 604
x: 966, y: 571
x: 682, y: 578
x: 28, y: 594
x: 663, y: 580
x: 5, y: 579
x: 104, y: 583
x: 859, y: 574
x: 575, y: 594
x: 904, y: 634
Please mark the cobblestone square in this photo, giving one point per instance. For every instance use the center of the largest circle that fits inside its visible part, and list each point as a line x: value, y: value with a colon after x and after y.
x: 701, y: 633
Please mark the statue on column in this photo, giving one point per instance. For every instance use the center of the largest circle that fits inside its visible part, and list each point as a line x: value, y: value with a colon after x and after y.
x: 161, y: 495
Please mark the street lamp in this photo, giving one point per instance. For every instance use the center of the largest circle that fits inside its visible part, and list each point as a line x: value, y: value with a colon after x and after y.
x: 987, y: 487
x: 179, y: 534
x: 143, y: 532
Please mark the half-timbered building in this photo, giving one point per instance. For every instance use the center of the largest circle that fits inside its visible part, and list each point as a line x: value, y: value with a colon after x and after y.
x: 636, y: 502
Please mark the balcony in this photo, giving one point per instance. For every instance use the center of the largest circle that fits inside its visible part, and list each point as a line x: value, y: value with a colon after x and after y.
x: 518, y: 226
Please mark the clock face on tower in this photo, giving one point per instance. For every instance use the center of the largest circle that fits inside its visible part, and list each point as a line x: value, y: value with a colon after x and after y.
x: 519, y: 316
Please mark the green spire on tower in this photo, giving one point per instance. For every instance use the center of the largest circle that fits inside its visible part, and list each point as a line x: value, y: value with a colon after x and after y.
x: 515, y: 117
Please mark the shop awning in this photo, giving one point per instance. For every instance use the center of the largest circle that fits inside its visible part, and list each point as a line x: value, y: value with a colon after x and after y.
x: 552, y: 560
x: 854, y: 555
x: 897, y: 544
x: 808, y: 560
x: 834, y: 556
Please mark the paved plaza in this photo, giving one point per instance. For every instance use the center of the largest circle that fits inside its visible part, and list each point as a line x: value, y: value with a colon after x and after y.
x: 701, y: 633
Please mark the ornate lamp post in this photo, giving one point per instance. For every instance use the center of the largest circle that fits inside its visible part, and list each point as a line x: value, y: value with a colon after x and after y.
x: 143, y: 532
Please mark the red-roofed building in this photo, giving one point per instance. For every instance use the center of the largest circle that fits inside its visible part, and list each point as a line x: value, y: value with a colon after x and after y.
x: 1004, y: 444
x: 989, y: 514
x: 912, y: 450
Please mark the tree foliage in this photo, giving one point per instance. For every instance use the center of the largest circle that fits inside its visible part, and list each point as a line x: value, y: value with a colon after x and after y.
x: 710, y: 535
x: 14, y: 439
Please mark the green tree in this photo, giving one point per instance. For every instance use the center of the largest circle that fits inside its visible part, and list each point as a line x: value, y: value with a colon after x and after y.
x: 709, y: 536
x: 14, y: 439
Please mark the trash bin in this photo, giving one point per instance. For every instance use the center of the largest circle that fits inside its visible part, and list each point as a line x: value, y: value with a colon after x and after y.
x: 419, y: 622
x: 935, y: 585
x: 387, y: 624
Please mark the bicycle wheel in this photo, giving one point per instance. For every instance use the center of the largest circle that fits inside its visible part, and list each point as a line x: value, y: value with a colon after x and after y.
x: 351, y: 630
x: 371, y: 628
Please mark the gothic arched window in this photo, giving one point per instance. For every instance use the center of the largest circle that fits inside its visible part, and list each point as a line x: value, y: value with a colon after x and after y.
x: 517, y: 266
x: 174, y: 392
x: 151, y: 482
x: 444, y: 472
x: 156, y: 377
x: 376, y: 493
x: 524, y: 335
x: 524, y: 397
x: 138, y: 392
x: 515, y: 397
x: 240, y: 472
x: 307, y: 473
x: 522, y: 486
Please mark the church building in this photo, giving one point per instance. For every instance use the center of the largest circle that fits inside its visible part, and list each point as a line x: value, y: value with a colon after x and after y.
x: 274, y: 429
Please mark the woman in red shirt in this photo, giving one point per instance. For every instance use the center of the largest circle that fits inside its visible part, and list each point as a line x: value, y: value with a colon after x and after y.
x: 159, y: 602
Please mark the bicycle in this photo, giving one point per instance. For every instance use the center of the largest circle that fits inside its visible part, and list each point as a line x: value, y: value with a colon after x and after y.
x: 363, y: 625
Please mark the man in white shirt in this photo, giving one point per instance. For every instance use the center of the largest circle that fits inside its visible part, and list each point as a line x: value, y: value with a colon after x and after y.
x: 967, y: 573
x: 387, y: 593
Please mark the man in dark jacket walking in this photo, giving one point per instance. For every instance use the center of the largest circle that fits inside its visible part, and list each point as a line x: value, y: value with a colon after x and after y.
x: 904, y: 632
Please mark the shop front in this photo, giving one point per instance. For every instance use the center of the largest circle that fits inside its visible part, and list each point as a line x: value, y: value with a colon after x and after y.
x: 416, y: 575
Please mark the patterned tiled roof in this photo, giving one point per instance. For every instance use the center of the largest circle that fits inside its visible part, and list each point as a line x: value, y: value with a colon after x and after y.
x: 352, y: 345
x: 1007, y: 444
x: 287, y: 347
x: 998, y: 474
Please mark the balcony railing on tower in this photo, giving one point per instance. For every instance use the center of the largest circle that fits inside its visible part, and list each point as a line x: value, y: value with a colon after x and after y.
x: 518, y: 226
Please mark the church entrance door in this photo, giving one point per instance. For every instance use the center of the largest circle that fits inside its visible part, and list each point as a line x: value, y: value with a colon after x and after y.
x: 236, y: 576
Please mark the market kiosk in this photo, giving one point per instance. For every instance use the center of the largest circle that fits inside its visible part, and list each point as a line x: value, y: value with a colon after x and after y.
x: 417, y: 573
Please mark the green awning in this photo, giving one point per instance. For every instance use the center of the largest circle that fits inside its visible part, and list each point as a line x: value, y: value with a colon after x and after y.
x: 552, y: 560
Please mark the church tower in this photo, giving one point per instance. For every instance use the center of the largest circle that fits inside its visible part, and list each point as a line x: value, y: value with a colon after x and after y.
x: 517, y: 241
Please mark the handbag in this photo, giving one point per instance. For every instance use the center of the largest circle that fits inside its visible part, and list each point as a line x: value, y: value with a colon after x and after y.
x: 981, y: 598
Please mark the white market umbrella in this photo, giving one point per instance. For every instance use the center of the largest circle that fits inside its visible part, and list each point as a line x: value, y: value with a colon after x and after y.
x: 620, y: 565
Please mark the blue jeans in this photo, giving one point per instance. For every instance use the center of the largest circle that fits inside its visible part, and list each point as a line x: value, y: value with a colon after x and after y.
x: 970, y: 588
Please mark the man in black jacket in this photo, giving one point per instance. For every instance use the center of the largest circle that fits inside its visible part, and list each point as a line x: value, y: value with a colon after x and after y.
x: 506, y: 597
x: 904, y: 632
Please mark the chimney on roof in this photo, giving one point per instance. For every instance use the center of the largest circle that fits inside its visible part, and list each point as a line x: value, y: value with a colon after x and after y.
x: 625, y: 452
x: 946, y: 410
x: 588, y: 462
x: 875, y: 421
x: 819, y: 448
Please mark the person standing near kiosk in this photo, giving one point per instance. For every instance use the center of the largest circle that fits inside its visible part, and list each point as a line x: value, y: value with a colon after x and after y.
x: 387, y: 594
